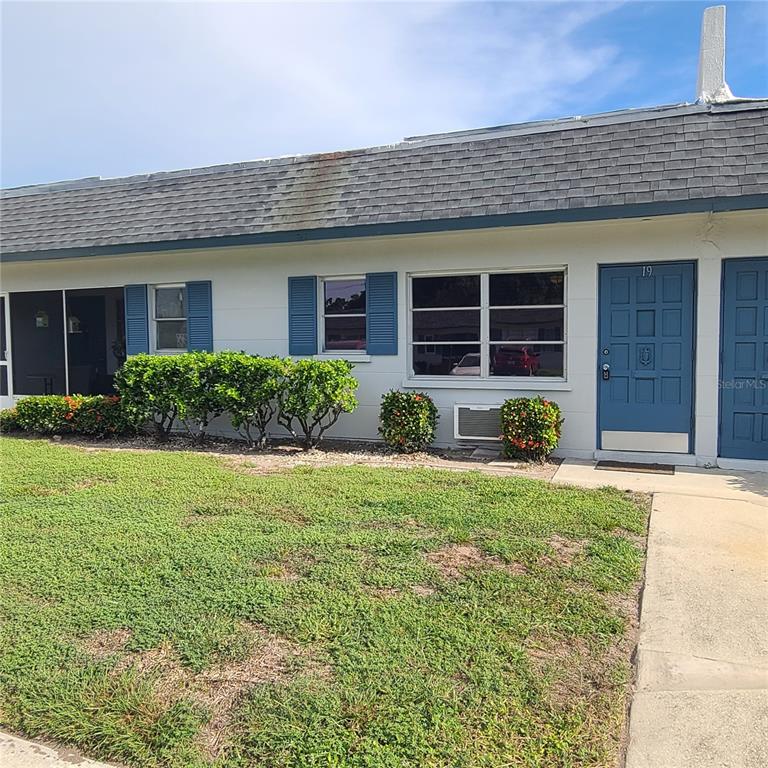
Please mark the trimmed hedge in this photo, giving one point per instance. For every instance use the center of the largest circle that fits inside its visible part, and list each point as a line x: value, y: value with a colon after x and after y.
x: 530, y: 427
x: 408, y: 420
x: 306, y: 396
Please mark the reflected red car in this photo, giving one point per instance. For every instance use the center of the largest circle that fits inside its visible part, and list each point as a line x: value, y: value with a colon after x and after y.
x: 515, y: 361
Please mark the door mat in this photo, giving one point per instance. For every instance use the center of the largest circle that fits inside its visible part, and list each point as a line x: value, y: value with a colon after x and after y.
x: 626, y: 466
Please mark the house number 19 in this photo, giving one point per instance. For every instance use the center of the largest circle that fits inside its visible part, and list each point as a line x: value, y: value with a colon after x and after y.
x: 647, y: 271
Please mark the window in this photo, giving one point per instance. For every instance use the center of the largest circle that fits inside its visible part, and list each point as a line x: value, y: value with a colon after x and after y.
x: 344, y: 321
x: 170, y: 317
x: 488, y: 325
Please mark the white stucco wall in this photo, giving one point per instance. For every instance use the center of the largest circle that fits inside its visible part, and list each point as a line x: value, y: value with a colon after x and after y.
x: 250, y: 299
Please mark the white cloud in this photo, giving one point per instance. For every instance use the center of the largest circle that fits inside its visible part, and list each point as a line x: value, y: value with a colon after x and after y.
x: 116, y: 88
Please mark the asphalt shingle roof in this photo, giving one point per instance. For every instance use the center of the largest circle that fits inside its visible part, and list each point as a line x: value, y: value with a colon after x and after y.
x: 668, y: 154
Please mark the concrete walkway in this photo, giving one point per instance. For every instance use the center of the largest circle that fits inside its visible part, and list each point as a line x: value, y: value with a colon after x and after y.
x: 701, y: 696
x: 20, y: 753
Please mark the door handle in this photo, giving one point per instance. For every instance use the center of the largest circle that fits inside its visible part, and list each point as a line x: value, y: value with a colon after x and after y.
x: 606, y: 371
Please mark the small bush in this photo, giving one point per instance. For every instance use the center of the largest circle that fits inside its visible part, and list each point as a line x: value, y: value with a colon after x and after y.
x: 408, y: 420
x: 530, y: 428
x: 45, y: 414
x: 248, y: 389
x: 150, y: 386
x: 9, y: 420
x: 314, y: 395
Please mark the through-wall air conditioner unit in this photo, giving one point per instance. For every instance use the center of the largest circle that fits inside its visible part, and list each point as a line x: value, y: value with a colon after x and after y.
x: 477, y: 422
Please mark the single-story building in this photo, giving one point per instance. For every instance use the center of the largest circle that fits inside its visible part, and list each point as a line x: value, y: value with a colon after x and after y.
x: 617, y: 264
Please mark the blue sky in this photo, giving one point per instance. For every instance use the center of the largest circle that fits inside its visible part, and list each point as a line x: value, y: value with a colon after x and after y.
x: 111, y: 89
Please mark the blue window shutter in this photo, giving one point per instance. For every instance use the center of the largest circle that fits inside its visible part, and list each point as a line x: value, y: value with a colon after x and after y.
x: 302, y: 315
x: 136, y: 319
x: 199, y: 316
x: 381, y: 308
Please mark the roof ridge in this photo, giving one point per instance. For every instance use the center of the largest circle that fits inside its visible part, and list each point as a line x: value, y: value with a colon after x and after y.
x: 634, y: 114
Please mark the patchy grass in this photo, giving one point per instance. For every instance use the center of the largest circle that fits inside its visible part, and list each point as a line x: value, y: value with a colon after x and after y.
x: 166, y: 609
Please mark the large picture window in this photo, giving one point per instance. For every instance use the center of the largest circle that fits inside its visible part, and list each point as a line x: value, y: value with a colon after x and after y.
x: 490, y: 324
x: 344, y: 320
x: 170, y: 317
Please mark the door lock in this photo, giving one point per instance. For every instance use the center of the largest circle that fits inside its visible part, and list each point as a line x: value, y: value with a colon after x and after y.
x: 606, y: 371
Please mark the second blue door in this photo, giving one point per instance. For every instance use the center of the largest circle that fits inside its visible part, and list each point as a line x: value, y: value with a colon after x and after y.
x: 744, y: 360
x: 645, y: 357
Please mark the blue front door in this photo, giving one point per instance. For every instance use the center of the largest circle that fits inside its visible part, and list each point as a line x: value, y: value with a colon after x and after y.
x: 645, y: 357
x: 744, y: 360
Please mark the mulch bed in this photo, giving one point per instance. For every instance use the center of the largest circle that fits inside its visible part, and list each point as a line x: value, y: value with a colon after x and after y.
x: 284, y: 454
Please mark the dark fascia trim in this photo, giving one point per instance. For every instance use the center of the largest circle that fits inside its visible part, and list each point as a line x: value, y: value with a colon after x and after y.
x: 597, y: 213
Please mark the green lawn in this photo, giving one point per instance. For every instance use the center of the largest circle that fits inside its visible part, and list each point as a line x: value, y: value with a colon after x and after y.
x: 170, y: 609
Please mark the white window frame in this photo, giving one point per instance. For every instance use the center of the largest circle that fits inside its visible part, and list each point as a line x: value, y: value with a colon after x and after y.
x: 363, y: 353
x: 155, y: 320
x: 485, y: 341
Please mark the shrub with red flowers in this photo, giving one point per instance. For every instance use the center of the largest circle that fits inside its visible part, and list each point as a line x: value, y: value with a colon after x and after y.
x: 9, y: 420
x: 408, y: 420
x: 530, y: 427
x: 46, y: 414
x: 99, y: 415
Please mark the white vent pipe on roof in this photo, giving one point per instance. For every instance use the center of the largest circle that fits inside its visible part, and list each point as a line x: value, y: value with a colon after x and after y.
x: 711, y: 87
